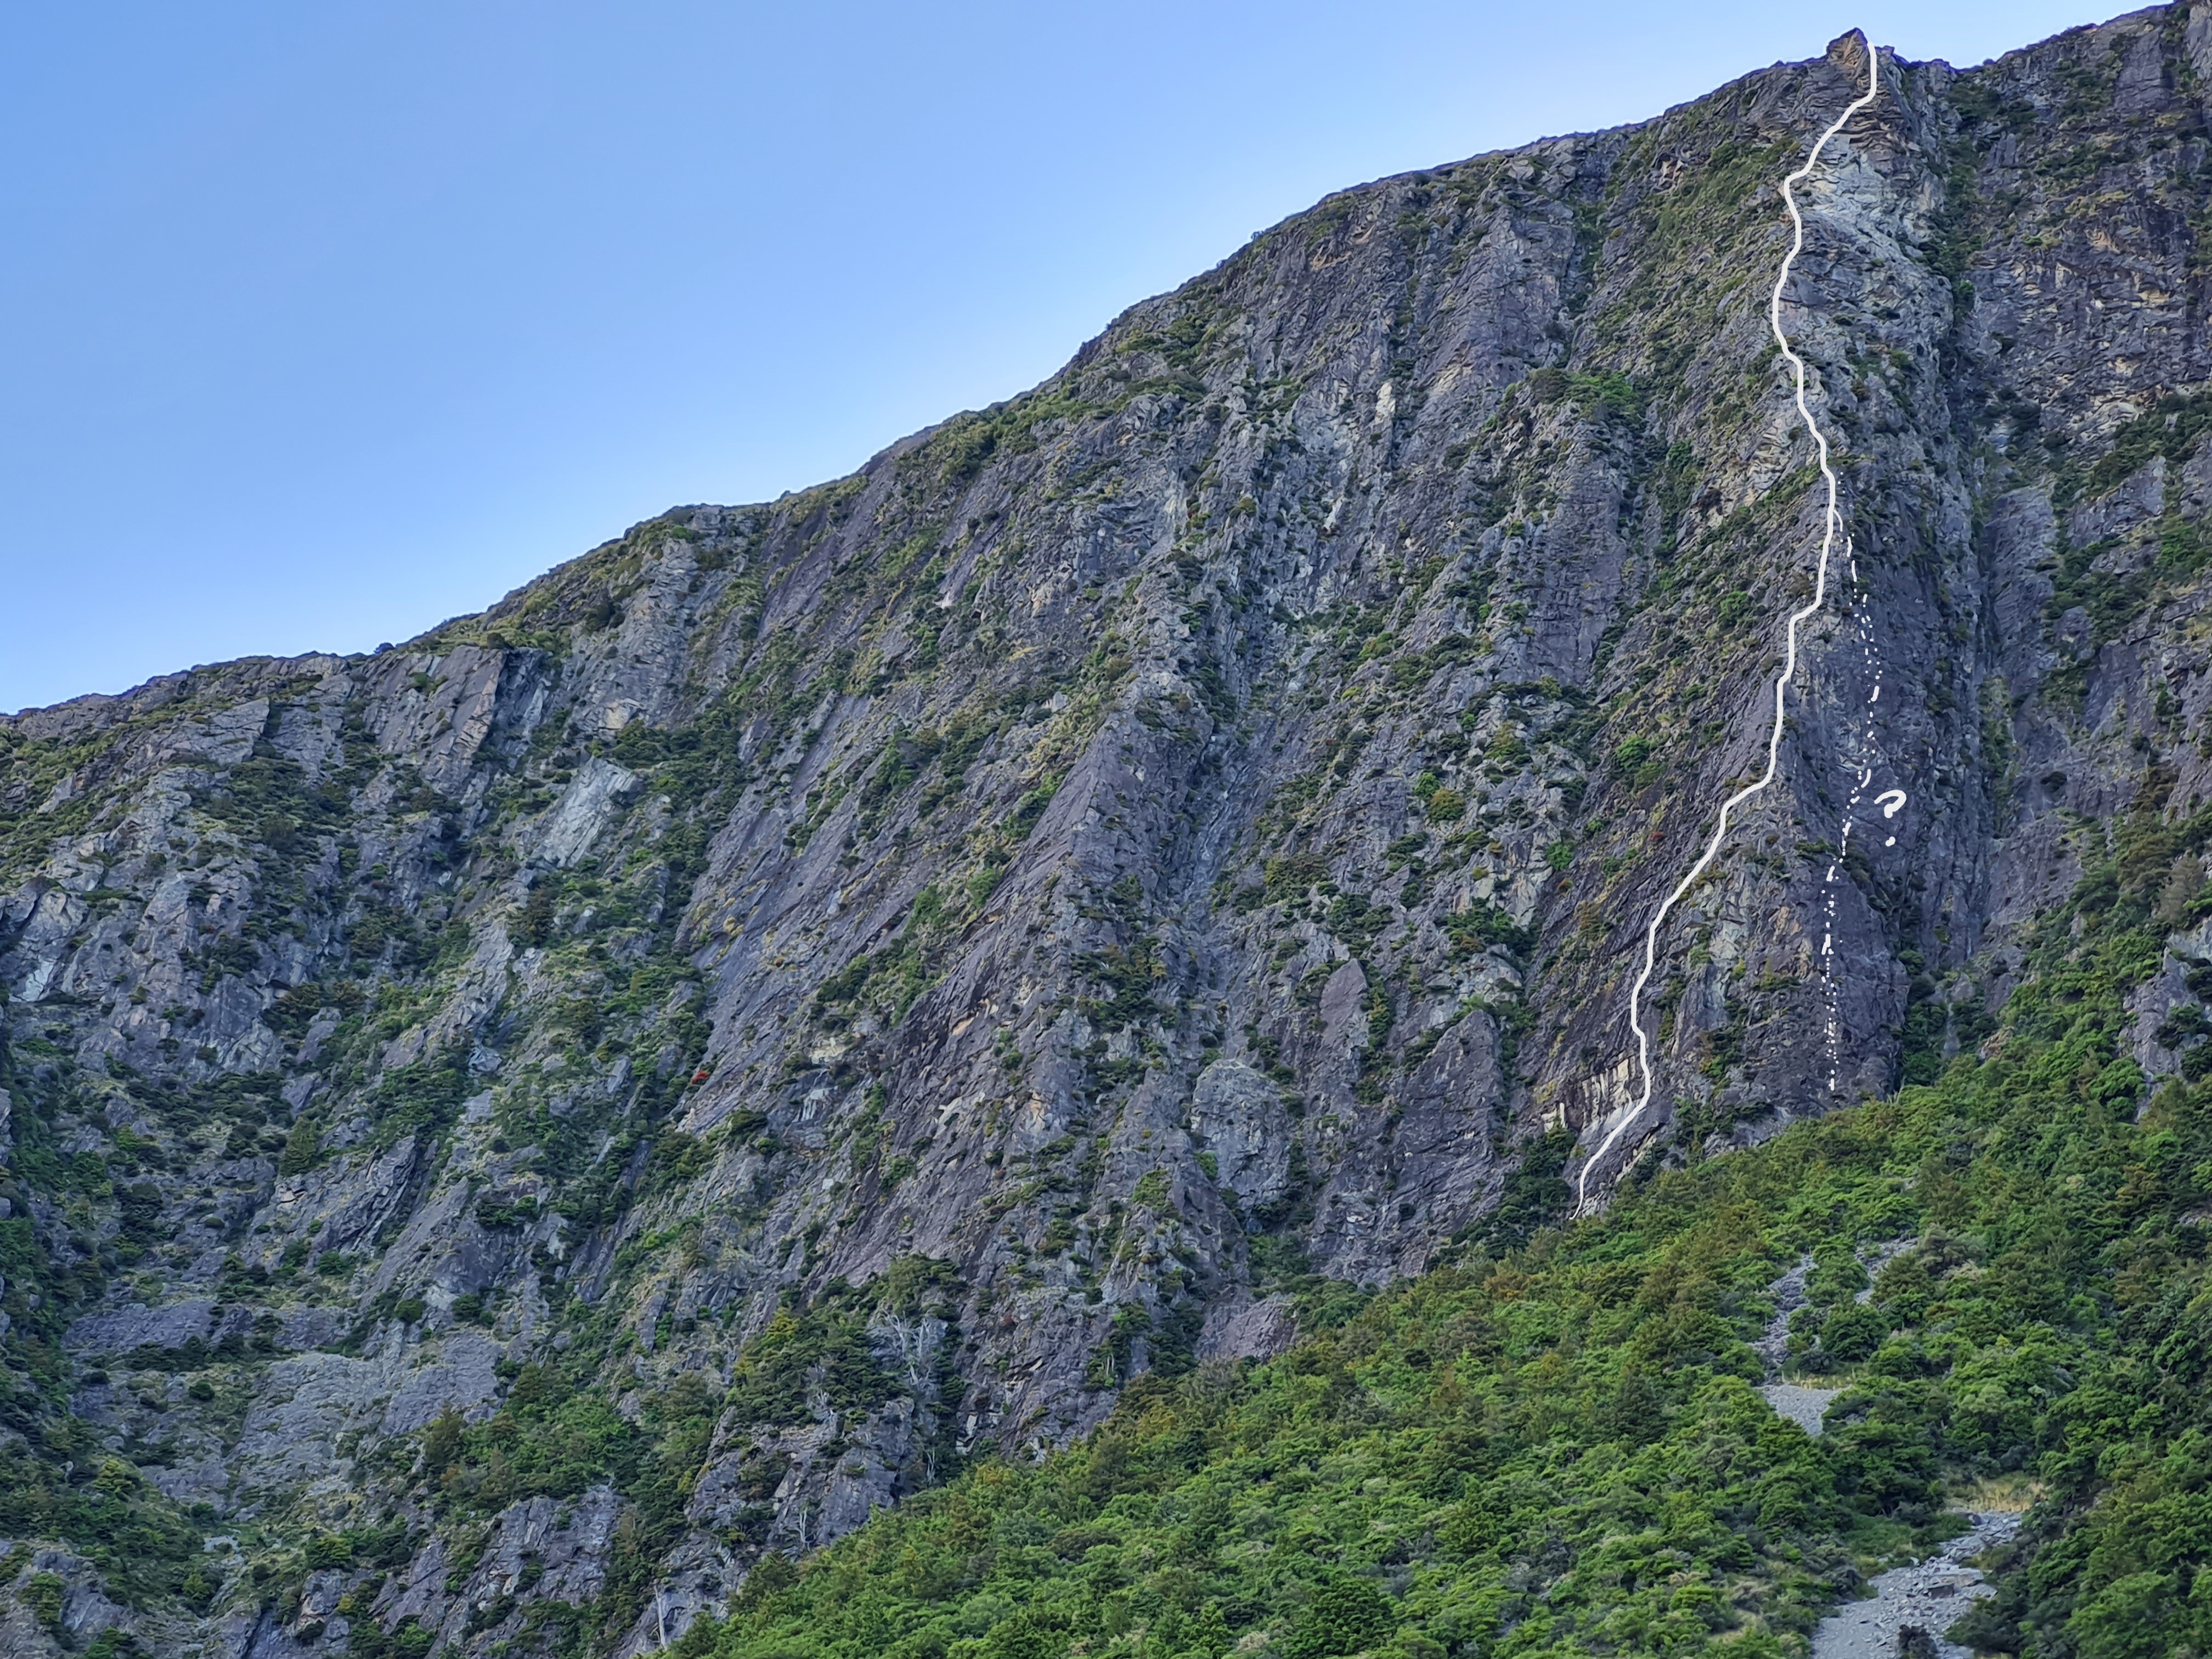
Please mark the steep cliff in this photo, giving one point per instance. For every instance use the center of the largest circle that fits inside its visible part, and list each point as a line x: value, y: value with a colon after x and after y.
x: 508, y: 1128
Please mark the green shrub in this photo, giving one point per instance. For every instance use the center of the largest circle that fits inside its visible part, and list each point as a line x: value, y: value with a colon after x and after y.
x: 1346, y: 1616
x: 42, y: 1593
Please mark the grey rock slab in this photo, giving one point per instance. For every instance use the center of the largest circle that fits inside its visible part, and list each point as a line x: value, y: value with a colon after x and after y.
x: 1259, y: 1330
x: 1342, y: 1006
x: 1807, y: 1407
x: 1237, y: 1114
x: 461, y: 1376
x: 119, y: 1330
x: 304, y: 1405
x: 586, y: 807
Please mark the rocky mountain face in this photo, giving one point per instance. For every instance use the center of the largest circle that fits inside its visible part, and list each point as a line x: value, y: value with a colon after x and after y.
x: 505, y: 1130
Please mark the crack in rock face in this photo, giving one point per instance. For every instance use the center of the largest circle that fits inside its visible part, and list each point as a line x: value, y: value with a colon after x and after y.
x: 1831, y: 534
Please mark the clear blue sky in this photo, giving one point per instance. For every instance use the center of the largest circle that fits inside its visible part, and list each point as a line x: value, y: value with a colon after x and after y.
x: 321, y: 323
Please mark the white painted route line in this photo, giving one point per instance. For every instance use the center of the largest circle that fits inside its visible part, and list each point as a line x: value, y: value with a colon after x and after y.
x: 1832, y: 523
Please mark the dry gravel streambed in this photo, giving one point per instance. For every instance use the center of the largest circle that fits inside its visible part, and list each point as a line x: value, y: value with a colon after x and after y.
x: 1927, y: 1596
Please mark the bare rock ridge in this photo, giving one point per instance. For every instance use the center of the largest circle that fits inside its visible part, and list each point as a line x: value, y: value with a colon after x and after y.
x: 826, y: 987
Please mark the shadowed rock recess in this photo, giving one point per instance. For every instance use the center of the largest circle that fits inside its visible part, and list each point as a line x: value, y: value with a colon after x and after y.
x: 838, y: 987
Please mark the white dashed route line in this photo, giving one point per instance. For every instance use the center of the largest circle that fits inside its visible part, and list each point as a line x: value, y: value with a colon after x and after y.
x: 1830, y: 526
